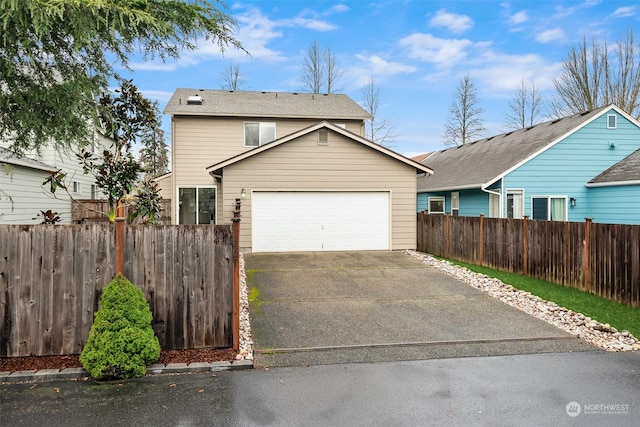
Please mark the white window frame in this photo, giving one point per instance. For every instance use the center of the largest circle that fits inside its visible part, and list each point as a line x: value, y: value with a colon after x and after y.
x: 455, y: 203
x: 77, y: 187
x: 261, y: 125
x: 436, y: 199
x: 549, y: 198
x: 615, y: 121
x: 197, y: 187
x: 515, y: 191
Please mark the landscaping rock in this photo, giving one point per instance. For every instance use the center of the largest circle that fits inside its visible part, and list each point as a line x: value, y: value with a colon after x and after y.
x: 577, y: 324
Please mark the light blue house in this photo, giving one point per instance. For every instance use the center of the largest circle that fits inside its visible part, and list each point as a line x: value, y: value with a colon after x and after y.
x: 582, y: 166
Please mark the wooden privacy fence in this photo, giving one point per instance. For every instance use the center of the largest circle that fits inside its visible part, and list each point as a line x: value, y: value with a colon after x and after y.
x: 91, y: 211
x: 603, y: 259
x: 52, y: 276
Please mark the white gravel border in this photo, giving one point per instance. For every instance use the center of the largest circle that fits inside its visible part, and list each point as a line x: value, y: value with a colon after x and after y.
x: 246, y: 340
x: 602, y: 335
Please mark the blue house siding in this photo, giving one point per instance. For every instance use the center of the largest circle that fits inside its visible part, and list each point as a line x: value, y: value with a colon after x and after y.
x: 565, y: 168
x: 615, y: 204
x: 471, y: 202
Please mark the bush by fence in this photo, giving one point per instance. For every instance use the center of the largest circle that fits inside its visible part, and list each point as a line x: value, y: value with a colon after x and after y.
x: 51, y: 278
x: 603, y: 259
x: 91, y: 211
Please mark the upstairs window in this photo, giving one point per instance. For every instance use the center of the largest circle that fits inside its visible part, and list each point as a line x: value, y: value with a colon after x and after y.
x: 612, y: 121
x: 258, y: 133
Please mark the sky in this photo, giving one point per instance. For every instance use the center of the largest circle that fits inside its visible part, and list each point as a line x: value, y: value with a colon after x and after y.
x: 415, y: 52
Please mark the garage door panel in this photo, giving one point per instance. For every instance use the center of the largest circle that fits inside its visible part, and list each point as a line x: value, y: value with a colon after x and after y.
x: 320, y: 221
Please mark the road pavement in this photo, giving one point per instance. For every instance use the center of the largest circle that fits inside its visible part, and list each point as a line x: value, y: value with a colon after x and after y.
x: 592, y: 388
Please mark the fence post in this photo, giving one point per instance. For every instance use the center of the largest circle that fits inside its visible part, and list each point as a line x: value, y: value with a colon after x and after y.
x: 446, y: 236
x: 525, y: 255
x: 481, y: 241
x: 120, y: 239
x: 587, y: 254
x: 235, y: 233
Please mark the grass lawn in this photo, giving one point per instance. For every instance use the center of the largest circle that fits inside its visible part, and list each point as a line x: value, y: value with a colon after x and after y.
x: 604, y: 311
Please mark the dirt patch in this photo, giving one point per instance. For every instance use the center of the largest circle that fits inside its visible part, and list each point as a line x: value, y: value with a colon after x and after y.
x: 36, y: 363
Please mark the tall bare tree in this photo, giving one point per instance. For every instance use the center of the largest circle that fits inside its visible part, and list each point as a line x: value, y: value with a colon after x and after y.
x: 232, y: 79
x: 525, y: 106
x: 312, y: 69
x: 465, y: 123
x: 332, y: 71
x: 320, y: 72
x: 377, y: 130
x: 590, y: 78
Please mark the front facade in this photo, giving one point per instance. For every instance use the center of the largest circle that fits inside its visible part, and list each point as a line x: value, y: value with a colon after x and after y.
x: 310, y: 180
x: 541, y: 172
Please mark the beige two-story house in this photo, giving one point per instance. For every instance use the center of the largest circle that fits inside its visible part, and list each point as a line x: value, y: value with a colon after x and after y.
x: 307, y: 177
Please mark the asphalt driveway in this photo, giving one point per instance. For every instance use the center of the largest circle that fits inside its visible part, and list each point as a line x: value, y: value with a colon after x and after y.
x: 341, y: 307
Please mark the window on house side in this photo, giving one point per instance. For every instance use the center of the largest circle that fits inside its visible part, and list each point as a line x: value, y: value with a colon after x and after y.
x: 436, y: 205
x: 515, y: 204
x: 258, y: 133
x: 612, y: 121
x: 549, y: 208
x: 77, y: 187
x: 494, y: 205
x: 455, y: 203
x: 196, y: 205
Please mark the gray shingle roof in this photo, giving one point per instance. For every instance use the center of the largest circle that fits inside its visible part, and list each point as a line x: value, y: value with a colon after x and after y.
x: 265, y: 104
x: 482, y: 162
x: 627, y: 169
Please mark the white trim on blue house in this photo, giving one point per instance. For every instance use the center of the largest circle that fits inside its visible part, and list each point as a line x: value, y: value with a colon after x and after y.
x: 611, y: 184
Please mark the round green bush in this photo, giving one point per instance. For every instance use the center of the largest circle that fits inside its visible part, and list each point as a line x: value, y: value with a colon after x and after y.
x: 121, y: 342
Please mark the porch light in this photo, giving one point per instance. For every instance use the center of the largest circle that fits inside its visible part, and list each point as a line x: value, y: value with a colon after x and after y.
x: 243, y: 194
x: 573, y: 202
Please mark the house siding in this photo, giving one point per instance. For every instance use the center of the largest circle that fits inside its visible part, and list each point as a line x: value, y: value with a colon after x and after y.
x: 615, y: 204
x: 29, y: 197
x: 565, y: 168
x: 472, y: 202
x: 342, y: 165
x: 204, y: 141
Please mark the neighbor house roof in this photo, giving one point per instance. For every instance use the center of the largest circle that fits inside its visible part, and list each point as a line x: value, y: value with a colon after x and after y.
x: 420, y: 168
x: 420, y: 157
x: 481, y: 163
x: 625, y: 172
x: 264, y: 104
x: 9, y: 157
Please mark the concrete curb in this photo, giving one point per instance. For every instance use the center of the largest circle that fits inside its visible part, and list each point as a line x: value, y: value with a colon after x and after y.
x: 157, y: 369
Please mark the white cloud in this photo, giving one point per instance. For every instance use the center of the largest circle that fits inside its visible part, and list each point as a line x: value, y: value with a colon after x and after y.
x: 376, y: 67
x: 550, y: 35
x: 310, y: 24
x: 453, y: 22
x: 500, y: 72
x: 161, y: 95
x: 339, y: 8
x: 442, y: 52
x: 518, y: 18
x: 624, y: 11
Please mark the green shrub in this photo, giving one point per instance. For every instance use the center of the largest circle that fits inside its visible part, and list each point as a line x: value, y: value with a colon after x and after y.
x: 121, y: 342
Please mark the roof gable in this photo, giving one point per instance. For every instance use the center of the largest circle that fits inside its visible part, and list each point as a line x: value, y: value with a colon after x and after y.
x: 224, y: 103
x: 481, y: 163
x: 626, y: 171
x: 420, y: 168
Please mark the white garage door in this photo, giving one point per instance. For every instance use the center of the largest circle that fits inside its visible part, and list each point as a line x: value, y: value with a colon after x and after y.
x: 319, y: 221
